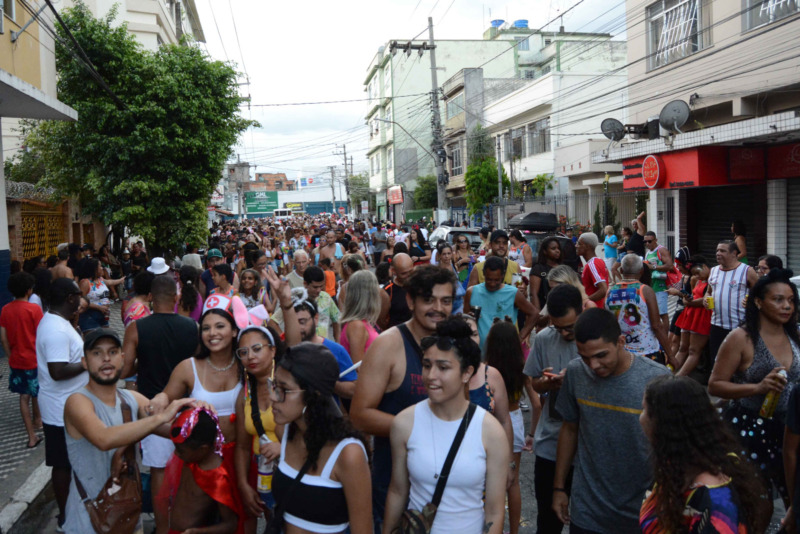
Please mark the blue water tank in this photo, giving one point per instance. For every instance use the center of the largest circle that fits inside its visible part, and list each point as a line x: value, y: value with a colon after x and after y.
x: 521, y: 23
x: 497, y: 23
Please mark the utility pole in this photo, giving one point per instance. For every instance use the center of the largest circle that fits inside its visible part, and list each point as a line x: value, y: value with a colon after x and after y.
x: 346, y: 181
x: 439, y: 154
x: 511, y: 160
x: 437, y: 145
x: 501, y: 223
x: 333, y: 190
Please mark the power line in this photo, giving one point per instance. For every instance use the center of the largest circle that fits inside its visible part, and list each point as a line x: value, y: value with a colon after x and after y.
x: 221, y: 40
x: 331, y: 101
x: 236, y: 32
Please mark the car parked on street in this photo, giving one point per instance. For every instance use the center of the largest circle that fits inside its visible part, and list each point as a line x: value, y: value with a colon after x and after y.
x: 450, y: 233
x: 536, y: 226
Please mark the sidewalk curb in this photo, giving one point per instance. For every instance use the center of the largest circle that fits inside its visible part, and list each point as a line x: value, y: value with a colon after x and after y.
x: 23, y: 497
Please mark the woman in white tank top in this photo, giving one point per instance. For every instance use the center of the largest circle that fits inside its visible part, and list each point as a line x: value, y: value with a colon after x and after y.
x: 214, y: 374
x: 422, y: 434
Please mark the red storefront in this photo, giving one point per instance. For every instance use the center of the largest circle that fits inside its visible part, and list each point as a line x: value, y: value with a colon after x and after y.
x: 720, y: 184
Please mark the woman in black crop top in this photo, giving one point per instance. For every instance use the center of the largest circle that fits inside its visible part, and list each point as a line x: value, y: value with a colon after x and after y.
x: 336, y: 490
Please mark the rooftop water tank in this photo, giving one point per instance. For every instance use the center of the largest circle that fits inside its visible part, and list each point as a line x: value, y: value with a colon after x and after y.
x: 521, y: 23
x: 497, y: 23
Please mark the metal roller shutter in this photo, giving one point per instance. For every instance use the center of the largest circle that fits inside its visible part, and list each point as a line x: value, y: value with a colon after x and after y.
x: 793, y: 224
x: 718, y: 207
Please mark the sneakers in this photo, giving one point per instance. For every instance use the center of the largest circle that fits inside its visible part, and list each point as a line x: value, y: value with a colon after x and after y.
x: 60, y: 526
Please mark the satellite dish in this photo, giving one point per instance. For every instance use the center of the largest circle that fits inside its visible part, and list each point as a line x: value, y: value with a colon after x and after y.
x: 613, y: 129
x: 674, y: 115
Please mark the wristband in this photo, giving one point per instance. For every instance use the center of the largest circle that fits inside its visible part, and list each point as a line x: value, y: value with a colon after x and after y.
x: 560, y: 489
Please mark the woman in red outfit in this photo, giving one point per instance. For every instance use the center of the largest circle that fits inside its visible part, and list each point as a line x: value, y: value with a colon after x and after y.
x: 695, y: 319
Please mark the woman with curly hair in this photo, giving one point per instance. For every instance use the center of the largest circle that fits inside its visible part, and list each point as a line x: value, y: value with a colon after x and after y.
x: 748, y: 366
x: 322, y: 482
x: 701, y: 484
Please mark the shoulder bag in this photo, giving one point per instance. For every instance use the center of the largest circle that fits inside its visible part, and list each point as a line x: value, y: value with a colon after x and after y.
x: 275, y: 525
x: 421, y: 522
x: 117, y: 507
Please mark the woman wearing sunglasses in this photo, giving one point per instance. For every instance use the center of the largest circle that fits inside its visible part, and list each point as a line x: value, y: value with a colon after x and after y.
x: 322, y: 482
x: 422, y: 436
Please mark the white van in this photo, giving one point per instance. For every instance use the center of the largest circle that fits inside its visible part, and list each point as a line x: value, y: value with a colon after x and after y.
x: 281, y: 214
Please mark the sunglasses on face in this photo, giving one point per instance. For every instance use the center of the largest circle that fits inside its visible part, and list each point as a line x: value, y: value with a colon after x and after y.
x: 648, y: 240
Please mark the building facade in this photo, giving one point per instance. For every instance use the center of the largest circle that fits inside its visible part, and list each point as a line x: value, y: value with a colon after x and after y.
x: 273, y: 182
x: 27, y: 91
x: 398, y: 116
x: 544, y: 117
x: 734, y: 153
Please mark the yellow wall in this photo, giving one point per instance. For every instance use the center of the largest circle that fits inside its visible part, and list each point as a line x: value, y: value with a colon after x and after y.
x: 21, y: 58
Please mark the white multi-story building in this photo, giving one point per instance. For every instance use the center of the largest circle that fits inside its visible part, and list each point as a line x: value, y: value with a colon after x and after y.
x: 398, y: 87
x: 546, y: 117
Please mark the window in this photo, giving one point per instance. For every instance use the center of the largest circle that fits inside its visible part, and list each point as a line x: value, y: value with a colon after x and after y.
x: 372, y: 166
x: 377, y: 163
x: 506, y: 147
x: 8, y: 9
x: 676, y: 29
x: 760, y: 12
x: 455, y: 106
x: 388, y: 115
x: 518, y: 142
x: 389, y: 160
x: 387, y: 82
x: 529, y: 74
x: 539, y: 136
x: 523, y: 45
x: 456, y: 166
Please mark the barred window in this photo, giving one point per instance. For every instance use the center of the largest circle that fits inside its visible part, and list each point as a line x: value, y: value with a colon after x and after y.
x: 676, y: 29
x: 760, y: 12
x: 539, y: 136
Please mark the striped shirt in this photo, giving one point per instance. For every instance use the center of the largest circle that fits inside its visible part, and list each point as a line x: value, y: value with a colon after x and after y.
x: 729, y: 289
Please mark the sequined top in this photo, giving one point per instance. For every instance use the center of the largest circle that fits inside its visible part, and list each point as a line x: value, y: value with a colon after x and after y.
x: 708, y: 509
x: 763, y: 363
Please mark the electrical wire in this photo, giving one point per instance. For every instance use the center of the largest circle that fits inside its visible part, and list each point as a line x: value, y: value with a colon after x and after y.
x: 332, y: 101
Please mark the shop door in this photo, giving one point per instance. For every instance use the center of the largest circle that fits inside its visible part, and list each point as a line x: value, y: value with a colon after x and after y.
x: 793, y: 224
x: 712, y: 210
x: 42, y: 230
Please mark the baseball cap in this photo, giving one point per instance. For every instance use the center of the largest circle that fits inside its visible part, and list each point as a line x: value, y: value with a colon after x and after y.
x: 96, y: 335
x: 214, y: 253
x: 499, y: 234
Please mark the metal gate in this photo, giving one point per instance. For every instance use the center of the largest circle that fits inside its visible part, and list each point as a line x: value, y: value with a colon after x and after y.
x: 42, y: 230
x: 793, y: 225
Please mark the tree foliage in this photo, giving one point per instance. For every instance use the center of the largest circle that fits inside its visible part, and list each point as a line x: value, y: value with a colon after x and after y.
x: 426, y: 194
x: 359, y: 190
x: 480, y: 183
x: 480, y: 145
x: 151, y: 163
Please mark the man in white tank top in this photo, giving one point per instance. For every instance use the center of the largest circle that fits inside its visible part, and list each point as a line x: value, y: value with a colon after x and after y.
x: 728, y: 284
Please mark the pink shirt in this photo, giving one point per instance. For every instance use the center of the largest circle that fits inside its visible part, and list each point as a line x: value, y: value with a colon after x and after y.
x: 372, y: 333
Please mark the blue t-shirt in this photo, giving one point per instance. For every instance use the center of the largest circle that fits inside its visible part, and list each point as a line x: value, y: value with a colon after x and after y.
x: 493, y: 304
x: 610, y: 246
x: 343, y: 359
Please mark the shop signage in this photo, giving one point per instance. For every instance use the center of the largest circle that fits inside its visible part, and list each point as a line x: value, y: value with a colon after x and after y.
x: 783, y: 161
x: 652, y: 170
x: 394, y: 195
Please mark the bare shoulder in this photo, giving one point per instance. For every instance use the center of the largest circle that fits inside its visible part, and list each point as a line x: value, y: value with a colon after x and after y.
x: 492, y: 431
x: 404, y: 422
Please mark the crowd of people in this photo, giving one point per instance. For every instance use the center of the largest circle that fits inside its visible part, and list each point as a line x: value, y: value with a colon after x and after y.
x: 348, y: 376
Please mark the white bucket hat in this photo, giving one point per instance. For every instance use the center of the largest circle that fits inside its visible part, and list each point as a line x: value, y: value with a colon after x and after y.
x: 158, y: 266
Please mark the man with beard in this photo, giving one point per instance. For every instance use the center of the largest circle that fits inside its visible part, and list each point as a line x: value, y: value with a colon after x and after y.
x: 307, y: 317
x: 390, y: 378
x: 93, y: 422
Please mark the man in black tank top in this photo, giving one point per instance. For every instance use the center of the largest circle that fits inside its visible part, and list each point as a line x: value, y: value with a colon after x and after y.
x: 636, y: 242
x: 395, y: 310
x: 158, y: 343
x: 390, y: 378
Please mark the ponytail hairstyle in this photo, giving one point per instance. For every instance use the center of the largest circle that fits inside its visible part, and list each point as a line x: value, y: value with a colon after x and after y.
x: 190, y: 279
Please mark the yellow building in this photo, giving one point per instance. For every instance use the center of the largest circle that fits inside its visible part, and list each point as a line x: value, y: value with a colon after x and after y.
x: 27, y: 91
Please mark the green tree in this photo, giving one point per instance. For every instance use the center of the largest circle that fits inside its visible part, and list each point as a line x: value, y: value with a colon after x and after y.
x: 358, y: 185
x: 425, y: 194
x: 480, y: 183
x: 480, y: 145
x: 151, y: 162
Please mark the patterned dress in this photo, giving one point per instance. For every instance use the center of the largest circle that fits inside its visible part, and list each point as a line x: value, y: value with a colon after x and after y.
x: 708, y: 509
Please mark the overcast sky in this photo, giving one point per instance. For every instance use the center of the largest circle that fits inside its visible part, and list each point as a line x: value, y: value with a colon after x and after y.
x: 319, y: 50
